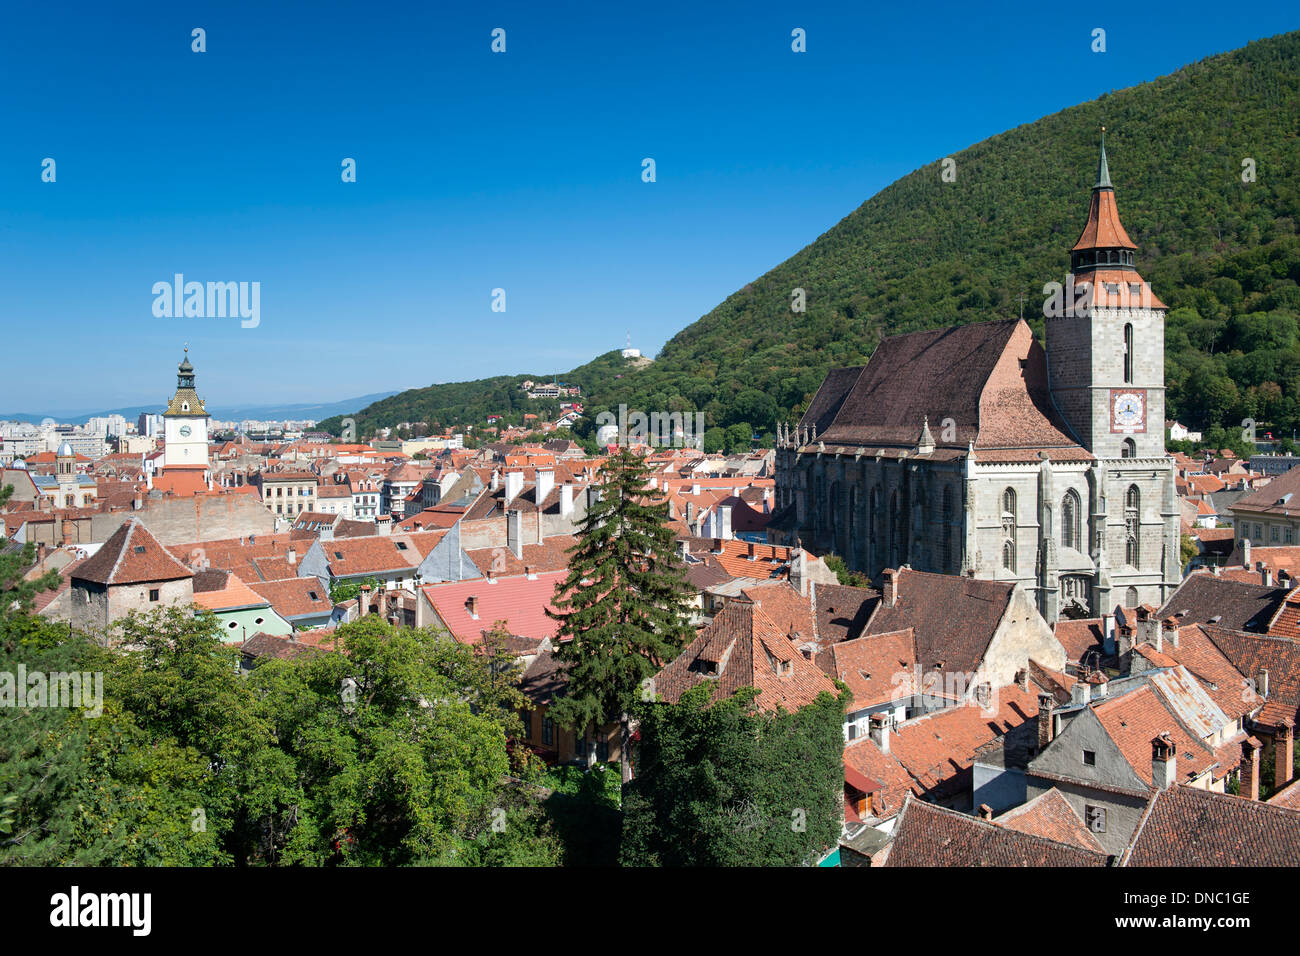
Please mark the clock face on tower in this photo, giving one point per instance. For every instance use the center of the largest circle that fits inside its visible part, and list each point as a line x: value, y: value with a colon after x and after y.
x: 1128, y: 410
x: 185, y: 431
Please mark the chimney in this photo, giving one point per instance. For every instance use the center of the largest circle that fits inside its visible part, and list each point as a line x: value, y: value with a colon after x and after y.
x: 1169, y: 626
x: 1265, y: 575
x: 327, y: 534
x: 1249, y: 774
x: 1261, y: 682
x: 545, y: 482
x: 1022, y: 679
x: 1164, y: 763
x: 515, y: 532
x: 365, y: 601
x: 799, y: 571
x: 1245, y: 553
x: 889, y: 590
x: 1148, y: 628
x: 1081, y: 693
x: 514, y: 485
x: 40, y: 553
x: 383, y: 524
x: 292, y: 556
x: 986, y: 812
x: 880, y: 731
x: 1045, y: 729
x: 717, y: 546
x: 566, y: 500
x: 471, y: 605
x: 724, y: 520
x: 530, y: 572
x: 1284, y: 754
x: 683, y: 548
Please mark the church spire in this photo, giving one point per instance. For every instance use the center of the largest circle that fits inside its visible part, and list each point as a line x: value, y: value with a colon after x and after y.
x: 1104, y: 244
x: 1103, y: 168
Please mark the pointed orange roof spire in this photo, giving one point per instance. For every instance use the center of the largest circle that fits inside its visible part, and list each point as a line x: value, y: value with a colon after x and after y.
x: 1103, y: 232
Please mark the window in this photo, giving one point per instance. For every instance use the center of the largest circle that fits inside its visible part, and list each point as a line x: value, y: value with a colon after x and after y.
x: 1090, y: 758
x: 602, y: 750
x: 1128, y: 353
x: 1009, y: 529
x: 1070, y: 512
x: 1288, y: 535
x: 947, y: 528
x: 1273, y: 534
x: 232, y: 625
x: 1132, y: 509
x: 548, y: 732
x: 1095, y: 818
x: 153, y: 594
x: 1128, y: 448
x: 259, y: 620
x: 526, y: 718
x: 1131, y: 598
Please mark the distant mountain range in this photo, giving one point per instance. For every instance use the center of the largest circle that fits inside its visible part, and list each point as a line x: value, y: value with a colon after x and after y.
x: 221, y: 412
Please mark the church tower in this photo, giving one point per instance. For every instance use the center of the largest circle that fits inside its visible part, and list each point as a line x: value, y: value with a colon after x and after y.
x: 185, y: 423
x: 1106, y: 345
x: 1106, y: 374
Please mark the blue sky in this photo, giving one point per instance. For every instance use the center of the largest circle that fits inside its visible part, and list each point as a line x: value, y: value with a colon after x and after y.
x: 478, y: 170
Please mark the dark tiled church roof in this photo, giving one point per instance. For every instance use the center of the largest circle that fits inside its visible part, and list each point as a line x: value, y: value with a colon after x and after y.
x: 989, y: 378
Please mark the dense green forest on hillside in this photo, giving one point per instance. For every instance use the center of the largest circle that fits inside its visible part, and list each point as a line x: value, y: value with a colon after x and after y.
x: 1221, y: 251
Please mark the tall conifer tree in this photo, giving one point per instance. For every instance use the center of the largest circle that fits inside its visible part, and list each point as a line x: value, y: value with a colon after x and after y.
x: 625, y: 603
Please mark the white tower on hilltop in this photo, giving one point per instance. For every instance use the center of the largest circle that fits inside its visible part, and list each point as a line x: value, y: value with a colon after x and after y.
x: 185, y: 423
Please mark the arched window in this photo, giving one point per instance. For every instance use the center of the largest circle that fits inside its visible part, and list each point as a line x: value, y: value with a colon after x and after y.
x: 1131, y: 597
x: 1128, y: 448
x: 895, y: 529
x: 1070, y: 521
x: 946, y: 531
x: 1009, y: 529
x: 1132, y: 541
x: 1128, y: 352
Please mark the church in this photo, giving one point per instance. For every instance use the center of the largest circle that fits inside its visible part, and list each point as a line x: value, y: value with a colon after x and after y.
x: 975, y: 450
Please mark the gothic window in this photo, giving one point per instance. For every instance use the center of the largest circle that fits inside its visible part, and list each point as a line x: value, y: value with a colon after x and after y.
x: 1070, y: 521
x: 1128, y: 449
x: 1009, y: 529
x: 895, y: 528
x: 946, y: 531
x: 1128, y: 352
x: 1132, y: 505
x: 1131, y: 598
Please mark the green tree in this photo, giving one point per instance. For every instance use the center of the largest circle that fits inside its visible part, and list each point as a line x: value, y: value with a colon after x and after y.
x: 1188, y: 549
x: 733, y: 785
x: 624, y: 604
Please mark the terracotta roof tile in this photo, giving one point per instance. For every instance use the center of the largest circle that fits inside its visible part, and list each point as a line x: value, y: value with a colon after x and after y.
x: 1187, y: 826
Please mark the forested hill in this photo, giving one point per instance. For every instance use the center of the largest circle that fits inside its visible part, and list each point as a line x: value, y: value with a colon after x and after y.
x: 1223, y: 253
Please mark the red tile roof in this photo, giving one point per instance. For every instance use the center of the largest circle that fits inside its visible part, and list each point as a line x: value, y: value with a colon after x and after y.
x: 520, y: 602
x: 932, y: 836
x: 1050, y: 815
x: 743, y: 647
x: 293, y: 597
x: 132, y: 555
x: 1187, y: 826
